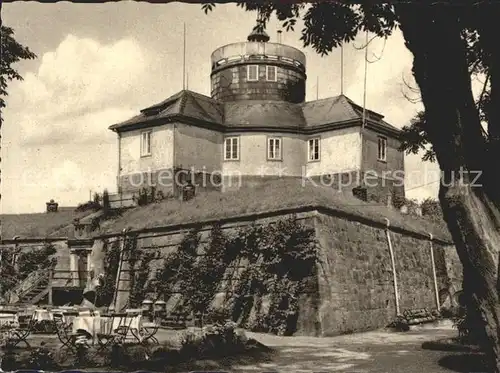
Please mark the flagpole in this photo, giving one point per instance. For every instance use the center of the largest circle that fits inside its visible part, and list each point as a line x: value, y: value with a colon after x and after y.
x: 364, y: 86
x: 184, y: 60
x: 317, y: 87
x: 363, y: 122
x: 342, y: 69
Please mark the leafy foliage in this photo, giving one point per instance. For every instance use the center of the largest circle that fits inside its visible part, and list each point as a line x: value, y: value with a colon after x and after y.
x: 272, y: 260
x: 139, y: 269
x: 16, y: 265
x: 213, y: 340
x: 327, y: 25
x: 105, y: 201
x: 12, y: 52
x: 147, y: 196
x: 88, y: 206
x: 431, y: 208
x: 41, y: 358
x: 35, y: 259
x: 106, y: 288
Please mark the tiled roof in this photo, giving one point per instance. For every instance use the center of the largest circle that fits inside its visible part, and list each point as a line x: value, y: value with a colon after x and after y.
x: 263, y: 113
x: 273, y: 114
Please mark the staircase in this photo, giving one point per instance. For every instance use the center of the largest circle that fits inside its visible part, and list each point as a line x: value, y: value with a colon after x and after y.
x: 32, y: 290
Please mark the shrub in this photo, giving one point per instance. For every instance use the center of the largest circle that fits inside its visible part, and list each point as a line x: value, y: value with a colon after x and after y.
x: 212, y: 340
x: 400, y: 324
x: 449, y: 313
x: 90, y: 205
x: 41, y: 359
x: 105, y: 201
x: 9, y: 361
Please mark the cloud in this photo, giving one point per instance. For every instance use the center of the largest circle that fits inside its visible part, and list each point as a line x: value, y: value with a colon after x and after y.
x: 66, y: 177
x: 80, y: 89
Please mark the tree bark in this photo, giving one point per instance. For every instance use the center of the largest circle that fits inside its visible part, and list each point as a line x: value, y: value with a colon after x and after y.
x: 433, y: 35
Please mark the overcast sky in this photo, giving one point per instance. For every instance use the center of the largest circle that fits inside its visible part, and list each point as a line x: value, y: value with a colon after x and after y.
x: 101, y: 63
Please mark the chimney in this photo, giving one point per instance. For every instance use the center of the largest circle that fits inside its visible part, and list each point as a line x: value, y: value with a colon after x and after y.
x: 52, y: 206
x: 279, y: 36
x: 360, y: 193
x: 188, y: 191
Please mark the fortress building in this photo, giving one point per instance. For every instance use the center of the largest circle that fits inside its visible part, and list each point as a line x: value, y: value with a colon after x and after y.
x: 257, y: 125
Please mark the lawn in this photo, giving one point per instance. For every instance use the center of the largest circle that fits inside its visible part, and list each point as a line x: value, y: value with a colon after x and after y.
x: 40, y: 225
x: 269, y: 196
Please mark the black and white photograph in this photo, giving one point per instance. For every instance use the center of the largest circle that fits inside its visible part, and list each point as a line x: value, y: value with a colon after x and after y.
x: 250, y: 186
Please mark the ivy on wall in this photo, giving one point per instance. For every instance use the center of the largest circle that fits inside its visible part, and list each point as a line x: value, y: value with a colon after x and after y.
x: 106, y: 288
x: 269, y: 261
x: 260, y: 271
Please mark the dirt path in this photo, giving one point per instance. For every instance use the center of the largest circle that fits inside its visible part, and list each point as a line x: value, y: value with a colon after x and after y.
x: 364, y: 352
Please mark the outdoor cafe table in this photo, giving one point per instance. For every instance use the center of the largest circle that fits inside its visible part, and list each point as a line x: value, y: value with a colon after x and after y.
x: 99, y: 325
x: 12, y: 329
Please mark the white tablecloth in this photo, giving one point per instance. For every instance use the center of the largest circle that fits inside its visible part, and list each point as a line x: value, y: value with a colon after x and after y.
x: 8, y: 319
x: 102, y: 324
x: 41, y: 314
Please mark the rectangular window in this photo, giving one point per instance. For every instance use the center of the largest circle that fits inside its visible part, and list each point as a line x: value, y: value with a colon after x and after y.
x: 274, y: 149
x: 314, y: 149
x: 271, y: 73
x: 252, y: 73
x: 145, y: 143
x: 382, y: 149
x: 231, y: 149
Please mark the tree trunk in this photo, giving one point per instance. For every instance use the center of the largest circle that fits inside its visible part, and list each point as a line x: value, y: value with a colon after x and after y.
x: 433, y: 35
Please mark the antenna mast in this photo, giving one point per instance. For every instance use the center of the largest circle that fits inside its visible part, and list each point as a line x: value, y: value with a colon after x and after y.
x: 364, y: 87
x: 317, y: 87
x: 184, y: 60
x: 342, y: 69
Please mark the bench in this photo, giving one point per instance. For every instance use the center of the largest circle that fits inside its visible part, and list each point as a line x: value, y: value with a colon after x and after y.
x: 181, y: 320
x: 419, y: 316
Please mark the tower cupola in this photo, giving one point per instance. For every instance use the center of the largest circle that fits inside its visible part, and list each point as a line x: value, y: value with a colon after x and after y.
x: 258, y: 70
x: 258, y: 36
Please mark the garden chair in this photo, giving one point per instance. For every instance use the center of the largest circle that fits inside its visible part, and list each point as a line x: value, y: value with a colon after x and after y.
x: 143, y: 330
x: 113, y: 330
x: 64, y: 331
x: 25, y: 328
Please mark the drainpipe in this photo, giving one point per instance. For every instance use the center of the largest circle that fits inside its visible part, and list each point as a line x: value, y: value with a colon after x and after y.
x: 120, y: 262
x: 118, y: 187
x: 434, y: 276
x: 393, y: 263
x: 174, y: 159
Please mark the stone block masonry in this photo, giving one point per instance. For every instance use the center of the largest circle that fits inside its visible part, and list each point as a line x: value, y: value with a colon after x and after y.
x: 353, y: 288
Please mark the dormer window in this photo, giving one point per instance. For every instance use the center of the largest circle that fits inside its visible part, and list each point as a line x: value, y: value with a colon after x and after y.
x: 271, y: 75
x: 145, y: 143
x: 252, y: 73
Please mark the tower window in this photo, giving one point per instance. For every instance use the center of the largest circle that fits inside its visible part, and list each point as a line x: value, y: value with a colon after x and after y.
x: 231, y: 149
x: 252, y: 73
x: 145, y: 143
x: 271, y: 73
x: 382, y: 148
x: 314, y: 149
x: 274, y: 148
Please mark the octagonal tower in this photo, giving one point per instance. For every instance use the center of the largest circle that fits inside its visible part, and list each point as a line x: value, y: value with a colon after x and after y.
x: 258, y: 70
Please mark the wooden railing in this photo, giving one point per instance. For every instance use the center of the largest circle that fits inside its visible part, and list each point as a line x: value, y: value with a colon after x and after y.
x: 52, y: 277
x: 29, y: 283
